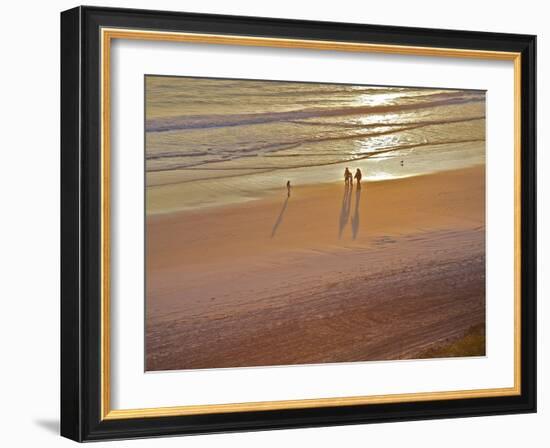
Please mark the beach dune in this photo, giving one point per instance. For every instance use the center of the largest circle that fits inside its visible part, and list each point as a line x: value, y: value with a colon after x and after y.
x: 395, y: 270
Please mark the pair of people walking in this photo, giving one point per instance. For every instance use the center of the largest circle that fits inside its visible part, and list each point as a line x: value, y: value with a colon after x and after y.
x: 348, y: 177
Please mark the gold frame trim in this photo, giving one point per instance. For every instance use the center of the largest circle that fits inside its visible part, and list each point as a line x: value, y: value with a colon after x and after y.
x: 107, y: 35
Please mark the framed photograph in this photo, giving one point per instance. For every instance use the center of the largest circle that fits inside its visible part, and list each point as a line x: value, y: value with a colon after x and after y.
x: 276, y: 224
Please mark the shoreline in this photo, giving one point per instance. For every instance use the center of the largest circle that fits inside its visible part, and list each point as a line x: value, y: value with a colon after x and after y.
x: 252, y: 186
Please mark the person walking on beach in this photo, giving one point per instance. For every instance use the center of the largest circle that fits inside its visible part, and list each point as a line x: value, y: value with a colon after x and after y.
x: 288, y: 188
x: 358, y: 176
x: 348, y: 178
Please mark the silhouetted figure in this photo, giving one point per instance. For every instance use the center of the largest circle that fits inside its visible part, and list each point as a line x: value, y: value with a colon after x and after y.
x: 288, y: 188
x: 348, y: 177
x: 358, y: 176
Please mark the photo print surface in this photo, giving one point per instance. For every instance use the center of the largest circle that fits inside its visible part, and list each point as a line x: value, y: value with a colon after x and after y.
x: 306, y: 223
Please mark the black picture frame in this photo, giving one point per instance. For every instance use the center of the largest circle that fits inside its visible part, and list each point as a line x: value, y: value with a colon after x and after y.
x: 81, y: 227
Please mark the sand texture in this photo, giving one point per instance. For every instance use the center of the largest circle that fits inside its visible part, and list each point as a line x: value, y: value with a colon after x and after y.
x: 329, y: 274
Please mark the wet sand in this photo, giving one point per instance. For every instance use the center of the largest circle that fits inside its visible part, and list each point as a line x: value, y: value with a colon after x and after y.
x: 391, y: 271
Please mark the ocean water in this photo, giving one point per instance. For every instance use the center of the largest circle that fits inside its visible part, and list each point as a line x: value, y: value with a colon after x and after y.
x: 211, y: 142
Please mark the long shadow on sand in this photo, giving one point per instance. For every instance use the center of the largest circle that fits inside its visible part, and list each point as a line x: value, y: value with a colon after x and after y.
x: 345, y: 210
x: 355, y: 219
x: 279, y: 218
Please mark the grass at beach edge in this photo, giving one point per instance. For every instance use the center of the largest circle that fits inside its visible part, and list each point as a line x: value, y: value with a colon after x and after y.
x: 471, y: 343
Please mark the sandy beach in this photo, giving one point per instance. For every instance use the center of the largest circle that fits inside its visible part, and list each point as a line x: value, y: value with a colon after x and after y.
x: 392, y: 271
